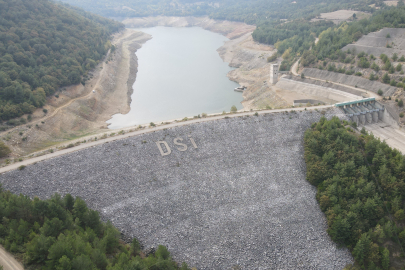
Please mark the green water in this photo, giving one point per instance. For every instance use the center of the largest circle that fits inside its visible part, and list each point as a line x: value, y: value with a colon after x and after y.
x: 180, y: 74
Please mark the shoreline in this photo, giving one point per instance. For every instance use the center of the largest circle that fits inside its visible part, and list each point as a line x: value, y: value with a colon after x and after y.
x: 85, y: 113
x: 248, y: 57
x: 76, y: 111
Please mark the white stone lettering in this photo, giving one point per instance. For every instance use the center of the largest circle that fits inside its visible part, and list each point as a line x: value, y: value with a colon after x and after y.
x: 161, y: 150
x: 184, y: 147
x: 177, y: 141
x: 193, y: 142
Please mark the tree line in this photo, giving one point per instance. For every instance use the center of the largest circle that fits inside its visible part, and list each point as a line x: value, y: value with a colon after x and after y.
x: 360, y: 185
x: 335, y: 38
x: 328, y: 54
x: 248, y: 11
x: 298, y: 36
x: 44, y: 46
x: 62, y: 233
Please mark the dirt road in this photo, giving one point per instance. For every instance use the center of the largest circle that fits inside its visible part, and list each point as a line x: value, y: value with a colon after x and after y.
x: 295, y: 65
x: 8, y: 262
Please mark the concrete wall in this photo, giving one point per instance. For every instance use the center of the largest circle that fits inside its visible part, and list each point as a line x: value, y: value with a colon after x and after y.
x: 327, y: 85
x: 306, y: 101
x: 350, y: 80
x: 389, y: 118
x: 324, y: 94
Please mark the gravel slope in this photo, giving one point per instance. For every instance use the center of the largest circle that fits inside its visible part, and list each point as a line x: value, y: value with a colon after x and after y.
x: 240, y: 198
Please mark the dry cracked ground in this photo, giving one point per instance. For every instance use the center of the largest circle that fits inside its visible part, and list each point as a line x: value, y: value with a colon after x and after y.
x: 240, y: 199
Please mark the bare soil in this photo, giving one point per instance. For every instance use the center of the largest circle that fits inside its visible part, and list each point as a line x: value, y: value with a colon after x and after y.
x: 241, y: 51
x: 387, y: 41
x: 78, y: 111
x: 391, y: 3
x: 341, y: 15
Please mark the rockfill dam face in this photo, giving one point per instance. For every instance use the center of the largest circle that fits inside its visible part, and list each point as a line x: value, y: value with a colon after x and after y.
x: 231, y: 192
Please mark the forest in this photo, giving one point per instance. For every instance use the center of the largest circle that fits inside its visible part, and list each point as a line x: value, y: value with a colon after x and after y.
x: 284, y: 24
x: 248, y: 11
x: 298, y: 36
x: 337, y: 37
x: 360, y: 185
x: 290, y: 39
x: 62, y: 233
x: 44, y: 46
x: 328, y: 54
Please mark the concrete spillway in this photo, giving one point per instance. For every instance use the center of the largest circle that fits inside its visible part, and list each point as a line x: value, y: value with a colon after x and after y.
x: 364, y: 111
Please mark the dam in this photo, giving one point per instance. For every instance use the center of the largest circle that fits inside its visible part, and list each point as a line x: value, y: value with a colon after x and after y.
x: 234, y: 195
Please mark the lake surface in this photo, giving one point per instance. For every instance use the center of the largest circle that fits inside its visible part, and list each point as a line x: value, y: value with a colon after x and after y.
x: 180, y: 74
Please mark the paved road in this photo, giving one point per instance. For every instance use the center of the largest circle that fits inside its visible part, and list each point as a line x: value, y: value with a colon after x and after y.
x: 147, y: 130
x: 394, y: 137
x: 8, y: 262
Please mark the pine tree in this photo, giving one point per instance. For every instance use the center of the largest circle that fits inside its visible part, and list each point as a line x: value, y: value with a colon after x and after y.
x: 385, y: 259
x: 64, y: 263
x: 69, y: 202
x: 386, y: 78
x: 361, y: 249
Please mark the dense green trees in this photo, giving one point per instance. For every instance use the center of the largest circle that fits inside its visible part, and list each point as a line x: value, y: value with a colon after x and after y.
x: 304, y: 31
x: 44, y: 46
x: 4, y: 150
x: 361, y: 188
x: 63, y: 234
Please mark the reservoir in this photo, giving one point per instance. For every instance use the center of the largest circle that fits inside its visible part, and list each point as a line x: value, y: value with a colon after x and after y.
x: 180, y: 74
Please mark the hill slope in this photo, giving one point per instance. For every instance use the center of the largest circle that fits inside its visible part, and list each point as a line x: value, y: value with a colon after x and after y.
x: 43, y: 46
x: 249, y: 11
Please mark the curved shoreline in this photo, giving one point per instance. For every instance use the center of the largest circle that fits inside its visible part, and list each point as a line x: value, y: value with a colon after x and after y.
x: 87, y: 112
x: 249, y: 58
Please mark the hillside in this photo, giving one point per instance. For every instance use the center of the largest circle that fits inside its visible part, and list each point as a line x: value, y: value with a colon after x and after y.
x: 360, y: 188
x: 44, y: 46
x: 238, y: 199
x: 369, y: 50
x: 63, y: 233
x: 248, y: 11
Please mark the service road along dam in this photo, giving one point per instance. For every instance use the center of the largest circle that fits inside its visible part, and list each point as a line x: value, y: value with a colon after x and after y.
x: 221, y: 194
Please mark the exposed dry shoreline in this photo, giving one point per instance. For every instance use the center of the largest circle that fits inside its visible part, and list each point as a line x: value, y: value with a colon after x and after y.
x: 78, y: 112
x: 241, y: 52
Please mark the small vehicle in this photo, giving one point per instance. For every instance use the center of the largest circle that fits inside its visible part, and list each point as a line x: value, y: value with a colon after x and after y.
x: 94, y: 91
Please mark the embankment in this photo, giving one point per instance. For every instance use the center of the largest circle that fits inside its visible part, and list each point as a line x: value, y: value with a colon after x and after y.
x: 301, y: 90
x: 386, y: 41
x: 237, y: 199
x: 350, y: 80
